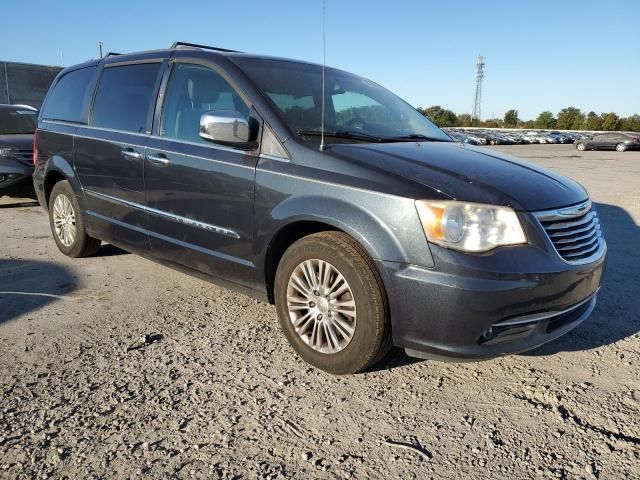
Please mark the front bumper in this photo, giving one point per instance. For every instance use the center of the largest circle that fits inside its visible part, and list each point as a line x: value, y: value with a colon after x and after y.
x: 477, y: 307
x: 13, y: 173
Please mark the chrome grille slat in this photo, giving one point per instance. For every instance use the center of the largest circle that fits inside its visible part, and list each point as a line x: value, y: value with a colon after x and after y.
x: 572, y: 232
x: 568, y: 239
x: 589, y: 250
x: 578, y: 246
x: 564, y: 225
x: 575, y: 232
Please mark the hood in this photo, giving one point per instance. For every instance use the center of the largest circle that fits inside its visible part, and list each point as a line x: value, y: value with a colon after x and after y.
x: 467, y: 173
x: 17, y: 141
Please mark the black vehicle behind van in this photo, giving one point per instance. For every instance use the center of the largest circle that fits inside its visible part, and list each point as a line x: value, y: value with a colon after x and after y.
x: 337, y: 201
x: 17, y: 124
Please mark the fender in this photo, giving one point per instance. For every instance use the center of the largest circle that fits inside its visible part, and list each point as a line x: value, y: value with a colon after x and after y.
x: 61, y: 165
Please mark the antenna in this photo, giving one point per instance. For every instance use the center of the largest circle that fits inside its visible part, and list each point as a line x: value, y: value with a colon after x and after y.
x: 324, y: 64
x: 100, y: 48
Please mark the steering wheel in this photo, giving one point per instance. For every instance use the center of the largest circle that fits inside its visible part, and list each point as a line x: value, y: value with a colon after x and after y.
x: 357, y: 122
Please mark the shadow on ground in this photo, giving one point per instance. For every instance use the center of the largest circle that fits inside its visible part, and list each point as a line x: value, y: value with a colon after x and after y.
x: 27, y: 285
x: 617, y: 315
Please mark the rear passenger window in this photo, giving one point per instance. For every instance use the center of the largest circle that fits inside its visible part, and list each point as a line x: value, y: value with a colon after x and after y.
x: 71, y: 96
x: 124, y: 97
x: 192, y: 91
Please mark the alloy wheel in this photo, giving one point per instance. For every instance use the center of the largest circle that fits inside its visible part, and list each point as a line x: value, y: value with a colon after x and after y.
x: 64, y: 220
x: 321, y: 306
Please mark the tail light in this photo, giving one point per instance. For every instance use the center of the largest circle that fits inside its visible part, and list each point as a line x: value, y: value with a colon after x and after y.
x: 35, y: 148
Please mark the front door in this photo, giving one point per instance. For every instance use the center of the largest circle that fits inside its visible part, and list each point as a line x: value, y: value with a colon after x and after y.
x: 199, y: 195
x: 109, y: 153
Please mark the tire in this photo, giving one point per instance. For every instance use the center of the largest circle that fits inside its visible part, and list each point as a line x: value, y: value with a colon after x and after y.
x: 367, y: 336
x: 621, y: 147
x: 67, y: 223
x: 581, y: 147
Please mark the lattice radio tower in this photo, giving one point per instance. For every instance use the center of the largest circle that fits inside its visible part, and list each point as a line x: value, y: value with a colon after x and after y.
x: 477, y: 100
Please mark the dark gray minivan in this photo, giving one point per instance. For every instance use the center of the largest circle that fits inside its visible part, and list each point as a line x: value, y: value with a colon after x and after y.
x: 337, y: 201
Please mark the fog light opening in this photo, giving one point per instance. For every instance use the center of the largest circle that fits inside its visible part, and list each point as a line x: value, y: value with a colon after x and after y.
x: 488, y: 334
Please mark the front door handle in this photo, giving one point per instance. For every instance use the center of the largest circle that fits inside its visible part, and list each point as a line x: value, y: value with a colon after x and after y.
x: 131, y: 154
x: 159, y: 159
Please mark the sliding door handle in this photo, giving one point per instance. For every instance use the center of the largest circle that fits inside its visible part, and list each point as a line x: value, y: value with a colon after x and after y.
x: 159, y: 159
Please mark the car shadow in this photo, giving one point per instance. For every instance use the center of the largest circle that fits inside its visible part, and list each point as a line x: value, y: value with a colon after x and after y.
x: 108, y: 250
x: 28, y: 285
x: 617, y: 315
x: 395, y: 358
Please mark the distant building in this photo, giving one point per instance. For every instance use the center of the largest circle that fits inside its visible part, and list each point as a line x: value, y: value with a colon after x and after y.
x: 24, y: 83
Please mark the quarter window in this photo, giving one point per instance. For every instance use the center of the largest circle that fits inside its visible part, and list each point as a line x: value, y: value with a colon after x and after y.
x: 71, y: 96
x: 194, y: 90
x: 124, y: 97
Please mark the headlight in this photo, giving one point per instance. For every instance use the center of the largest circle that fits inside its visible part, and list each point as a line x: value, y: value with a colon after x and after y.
x: 4, y: 152
x: 470, y: 227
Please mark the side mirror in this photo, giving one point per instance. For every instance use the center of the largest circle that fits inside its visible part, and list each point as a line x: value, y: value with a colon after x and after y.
x: 225, y: 126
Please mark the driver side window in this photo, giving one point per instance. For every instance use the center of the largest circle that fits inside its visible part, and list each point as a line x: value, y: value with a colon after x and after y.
x: 192, y: 91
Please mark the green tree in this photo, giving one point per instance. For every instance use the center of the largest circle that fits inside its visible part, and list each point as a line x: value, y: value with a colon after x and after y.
x: 610, y: 122
x: 592, y: 121
x: 570, y: 118
x: 492, y: 123
x: 631, y: 124
x: 440, y: 116
x: 511, y: 118
x: 545, y: 120
x: 464, y: 120
x: 529, y: 124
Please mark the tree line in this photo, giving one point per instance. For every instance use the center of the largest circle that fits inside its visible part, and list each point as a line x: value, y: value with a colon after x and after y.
x: 570, y: 118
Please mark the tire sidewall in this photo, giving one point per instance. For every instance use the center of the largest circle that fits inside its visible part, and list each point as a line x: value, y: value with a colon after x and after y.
x: 370, y: 315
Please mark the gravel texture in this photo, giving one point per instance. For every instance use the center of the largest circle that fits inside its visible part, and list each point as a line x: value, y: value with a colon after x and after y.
x: 117, y: 367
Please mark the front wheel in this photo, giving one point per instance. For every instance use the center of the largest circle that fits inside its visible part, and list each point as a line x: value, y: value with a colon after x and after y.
x: 581, y: 147
x: 621, y: 147
x: 67, y: 224
x: 331, y: 303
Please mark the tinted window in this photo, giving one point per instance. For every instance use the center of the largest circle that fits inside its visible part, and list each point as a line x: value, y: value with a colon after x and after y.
x: 71, y: 96
x: 124, y: 97
x: 17, y: 121
x: 353, y: 105
x: 192, y: 91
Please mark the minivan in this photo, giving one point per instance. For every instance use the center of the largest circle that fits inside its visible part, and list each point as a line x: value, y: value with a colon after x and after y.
x: 323, y: 193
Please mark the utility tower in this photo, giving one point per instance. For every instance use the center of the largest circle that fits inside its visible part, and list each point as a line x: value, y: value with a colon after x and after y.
x: 477, y: 100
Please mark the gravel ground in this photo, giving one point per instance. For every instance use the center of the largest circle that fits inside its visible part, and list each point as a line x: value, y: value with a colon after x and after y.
x: 116, y: 367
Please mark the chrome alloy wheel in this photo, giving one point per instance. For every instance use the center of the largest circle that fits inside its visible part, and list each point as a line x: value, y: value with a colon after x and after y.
x: 321, y: 306
x: 64, y: 220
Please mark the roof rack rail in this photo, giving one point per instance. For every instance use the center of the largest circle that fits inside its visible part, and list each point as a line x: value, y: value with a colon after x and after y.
x: 111, y: 54
x: 195, y: 45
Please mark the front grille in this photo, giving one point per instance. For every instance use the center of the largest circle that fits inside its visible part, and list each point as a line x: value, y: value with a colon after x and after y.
x: 574, y: 231
x: 24, y: 156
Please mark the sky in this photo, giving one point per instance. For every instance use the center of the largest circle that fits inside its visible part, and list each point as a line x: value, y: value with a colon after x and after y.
x: 540, y: 55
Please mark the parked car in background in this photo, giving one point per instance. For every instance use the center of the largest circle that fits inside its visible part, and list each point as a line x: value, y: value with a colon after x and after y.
x: 609, y: 141
x: 385, y: 232
x: 17, y: 124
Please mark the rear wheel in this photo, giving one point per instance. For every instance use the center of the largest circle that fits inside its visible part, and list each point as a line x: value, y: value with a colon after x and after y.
x: 331, y: 303
x: 621, y: 147
x: 67, y: 223
x: 582, y: 147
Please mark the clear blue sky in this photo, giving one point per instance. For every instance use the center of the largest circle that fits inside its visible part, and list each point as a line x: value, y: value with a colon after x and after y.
x: 540, y: 54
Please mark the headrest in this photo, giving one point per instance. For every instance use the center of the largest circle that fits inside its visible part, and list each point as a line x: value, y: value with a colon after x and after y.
x: 203, y: 89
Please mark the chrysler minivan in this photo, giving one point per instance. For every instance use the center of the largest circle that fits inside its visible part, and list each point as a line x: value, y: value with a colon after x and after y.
x: 320, y: 192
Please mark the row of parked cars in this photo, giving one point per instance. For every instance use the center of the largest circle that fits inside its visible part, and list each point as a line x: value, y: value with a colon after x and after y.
x: 620, y: 141
x: 503, y: 137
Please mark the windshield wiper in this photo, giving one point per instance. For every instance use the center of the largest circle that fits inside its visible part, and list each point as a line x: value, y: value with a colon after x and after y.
x: 413, y: 137
x: 343, y: 134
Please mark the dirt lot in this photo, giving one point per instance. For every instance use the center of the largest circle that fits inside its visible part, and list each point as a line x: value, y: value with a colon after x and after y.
x: 114, y: 366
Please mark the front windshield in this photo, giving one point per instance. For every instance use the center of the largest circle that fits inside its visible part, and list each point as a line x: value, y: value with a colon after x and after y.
x: 355, y: 108
x: 17, y: 121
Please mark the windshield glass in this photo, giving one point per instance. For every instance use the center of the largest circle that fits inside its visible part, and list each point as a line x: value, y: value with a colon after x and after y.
x: 355, y: 108
x: 17, y: 121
